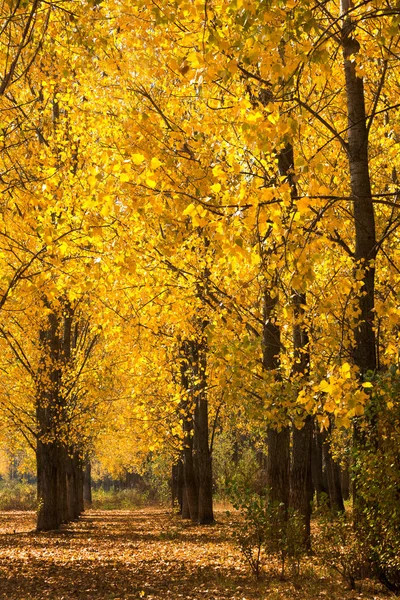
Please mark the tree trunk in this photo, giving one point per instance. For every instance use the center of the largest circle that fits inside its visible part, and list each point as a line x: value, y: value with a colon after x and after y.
x: 174, y: 484
x: 363, y: 209
x: 50, y: 455
x: 78, y: 484
x: 189, y: 476
x: 190, y: 504
x: 201, y: 441
x: 364, y: 352
x: 51, y: 485
x: 181, y: 485
x: 197, y: 468
x: 278, y: 441
x: 185, y: 512
x: 177, y: 485
x: 320, y: 483
x: 301, y: 488
x: 345, y: 482
x: 61, y: 500
x: 278, y: 466
x: 205, y: 501
x: 333, y: 477
x: 87, y: 483
x: 301, y: 491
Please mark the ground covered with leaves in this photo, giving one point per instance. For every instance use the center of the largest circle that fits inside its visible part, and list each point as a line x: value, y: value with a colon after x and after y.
x: 146, y: 553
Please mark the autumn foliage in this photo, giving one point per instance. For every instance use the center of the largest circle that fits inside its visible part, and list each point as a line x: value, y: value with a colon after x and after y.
x: 199, y: 234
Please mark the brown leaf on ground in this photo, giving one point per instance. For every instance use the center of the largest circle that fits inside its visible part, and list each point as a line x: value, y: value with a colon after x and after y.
x: 148, y: 553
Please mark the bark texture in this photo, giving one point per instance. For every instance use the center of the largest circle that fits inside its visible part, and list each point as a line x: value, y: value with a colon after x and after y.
x: 301, y: 488
x: 363, y: 209
x: 197, y: 465
x: 59, y: 466
x: 278, y: 441
x: 318, y: 473
x: 87, y: 483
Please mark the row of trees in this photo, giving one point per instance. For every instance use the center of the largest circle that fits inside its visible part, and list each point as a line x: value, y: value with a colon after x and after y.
x: 206, y: 201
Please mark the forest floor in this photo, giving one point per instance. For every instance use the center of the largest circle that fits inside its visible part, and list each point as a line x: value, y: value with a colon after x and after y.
x: 147, y: 553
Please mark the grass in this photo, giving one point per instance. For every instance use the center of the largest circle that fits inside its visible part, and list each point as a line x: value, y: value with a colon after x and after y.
x: 17, y: 495
x: 118, y: 500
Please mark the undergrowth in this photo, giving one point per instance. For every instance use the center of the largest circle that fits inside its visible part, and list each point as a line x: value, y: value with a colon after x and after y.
x: 121, y: 499
x: 17, y: 495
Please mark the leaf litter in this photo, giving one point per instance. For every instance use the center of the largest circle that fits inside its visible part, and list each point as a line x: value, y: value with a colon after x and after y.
x: 146, y: 553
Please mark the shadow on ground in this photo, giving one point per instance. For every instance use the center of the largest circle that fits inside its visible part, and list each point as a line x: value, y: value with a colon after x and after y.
x: 119, y: 554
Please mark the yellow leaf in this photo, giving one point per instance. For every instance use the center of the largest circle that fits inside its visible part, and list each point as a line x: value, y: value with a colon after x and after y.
x: 216, y: 187
x: 359, y: 410
x: 324, y: 386
x: 124, y: 177
x: 217, y: 171
x: 303, y: 204
x: 137, y: 159
x: 189, y: 210
x: 193, y: 59
x: 367, y: 384
x: 155, y: 163
x: 105, y: 211
x: 329, y: 406
x: 323, y: 421
x: 254, y: 117
x: 273, y: 119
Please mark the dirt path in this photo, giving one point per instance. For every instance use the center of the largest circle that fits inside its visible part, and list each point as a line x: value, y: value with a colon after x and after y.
x: 148, y: 553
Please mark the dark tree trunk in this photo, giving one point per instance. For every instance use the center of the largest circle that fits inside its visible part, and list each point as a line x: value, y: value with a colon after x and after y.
x: 333, y: 477
x: 177, y: 485
x: 181, y: 485
x: 278, y: 441
x: 79, y: 478
x: 74, y: 475
x: 278, y: 466
x: 334, y: 487
x: 63, y: 485
x: 201, y: 437
x: 301, y: 488
x: 363, y: 209
x: 50, y: 454
x: 185, y: 503
x: 204, y: 465
x: 60, y: 500
x: 87, y: 483
x: 197, y: 468
x: 174, y: 484
x: 189, y: 475
x: 190, y: 504
x: 364, y: 219
x: 51, y: 485
x: 71, y: 499
x: 345, y: 482
x: 320, y: 483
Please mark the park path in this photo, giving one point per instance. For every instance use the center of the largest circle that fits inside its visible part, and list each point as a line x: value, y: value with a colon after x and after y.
x: 146, y: 553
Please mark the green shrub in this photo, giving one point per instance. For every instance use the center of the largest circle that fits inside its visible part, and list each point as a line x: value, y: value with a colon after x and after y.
x: 268, y: 531
x: 119, y: 500
x: 339, y: 547
x: 17, y: 495
x: 377, y: 480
